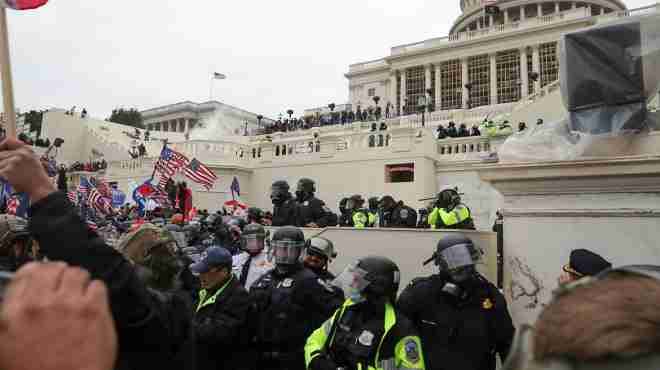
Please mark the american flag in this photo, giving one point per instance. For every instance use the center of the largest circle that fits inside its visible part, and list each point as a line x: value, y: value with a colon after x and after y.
x: 91, y: 224
x: 200, y: 174
x: 161, y: 198
x: 162, y: 182
x: 170, y: 162
x: 73, y: 196
x: 103, y: 188
x: 99, y: 202
x: 84, y: 186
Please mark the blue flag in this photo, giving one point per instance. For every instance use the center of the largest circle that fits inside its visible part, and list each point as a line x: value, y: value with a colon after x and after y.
x: 235, y: 187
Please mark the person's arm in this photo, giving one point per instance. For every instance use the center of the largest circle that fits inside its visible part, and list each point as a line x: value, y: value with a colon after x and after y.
x: 504, y: 328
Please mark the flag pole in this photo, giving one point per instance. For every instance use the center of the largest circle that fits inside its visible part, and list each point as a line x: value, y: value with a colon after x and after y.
x: 7, y: 86
x: 153, y: 173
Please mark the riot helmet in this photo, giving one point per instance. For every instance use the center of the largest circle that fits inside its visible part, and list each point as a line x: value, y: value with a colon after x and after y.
x: 342, y: 205
x: 354, y: 202
x: 253, y: 239
x: 456, y: 256
x: 305, y: 189
x: 387, y: 203
x: 279, y: 192
x: 447, y: 198
x: 287, y: 246
x: 370, y: 279
x: 318, y: 253
x: 373, y: 203
x: 12, y: 228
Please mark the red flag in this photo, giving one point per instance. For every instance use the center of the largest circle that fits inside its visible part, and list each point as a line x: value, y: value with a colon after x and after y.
x: 22, y: 4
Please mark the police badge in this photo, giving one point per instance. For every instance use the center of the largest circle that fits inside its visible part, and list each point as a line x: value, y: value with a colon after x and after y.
x: 412, y: 350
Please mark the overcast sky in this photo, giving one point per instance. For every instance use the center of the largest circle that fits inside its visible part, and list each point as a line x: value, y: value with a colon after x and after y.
x: 277, y: 54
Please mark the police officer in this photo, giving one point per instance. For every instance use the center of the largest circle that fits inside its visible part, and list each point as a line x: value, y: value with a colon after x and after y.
x: 460, y: 315
x: 15, y: 242
x: 286, y: 302
x: 345, y: 215
x: 253, y: 262
x: 359, y: 215
x: 311, y: 211
x: 397, y: 214
x: 284, y: 206
x: 220, y: 314
x: 367, y: 332
x: 450, y: 213
x: 373, y: 212
x: 319, y: 253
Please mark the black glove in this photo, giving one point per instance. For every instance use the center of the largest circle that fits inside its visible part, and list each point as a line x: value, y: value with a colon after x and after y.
x: 322, y: 363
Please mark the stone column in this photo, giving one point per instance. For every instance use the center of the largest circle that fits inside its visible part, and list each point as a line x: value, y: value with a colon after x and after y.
x: 557, y: 7
x: 438, y: 87
x: 464, y: 80
x: 427, y: 77
x: 602, y: 10
x: 539, y: 10
x: 491, y: 21
x: 573, y: 5
x: 392, y: 97
x: 493, y: 78
x: 522, y: 13
x: 536, y: 65
x: 403, y: 91
x: 506, y: 16
x: 524, y: 73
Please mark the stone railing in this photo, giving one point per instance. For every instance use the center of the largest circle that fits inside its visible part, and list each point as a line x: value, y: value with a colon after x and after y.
x: 426, y: 44
x: 464, y: 148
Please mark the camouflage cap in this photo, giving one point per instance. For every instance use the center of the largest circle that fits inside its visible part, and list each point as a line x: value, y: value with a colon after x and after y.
x: 137, y: 245
x: 11, y: 228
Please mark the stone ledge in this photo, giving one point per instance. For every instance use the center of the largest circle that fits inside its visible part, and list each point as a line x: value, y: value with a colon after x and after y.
x: 615, y: 212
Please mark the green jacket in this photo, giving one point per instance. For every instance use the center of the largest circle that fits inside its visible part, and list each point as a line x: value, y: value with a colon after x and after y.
x: 360, y: 219
x: 399, y: 347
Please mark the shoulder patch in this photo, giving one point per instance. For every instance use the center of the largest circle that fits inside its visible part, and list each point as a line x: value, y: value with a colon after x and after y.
x: 403, y: 213
x: 326, y: 209
x: 412, y: 350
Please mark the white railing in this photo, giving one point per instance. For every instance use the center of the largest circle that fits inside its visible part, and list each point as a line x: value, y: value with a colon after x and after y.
x: 466, y: 147
x: 426, y: 44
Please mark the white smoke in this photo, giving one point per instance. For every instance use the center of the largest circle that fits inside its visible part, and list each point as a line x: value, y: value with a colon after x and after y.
x: 220, y: 124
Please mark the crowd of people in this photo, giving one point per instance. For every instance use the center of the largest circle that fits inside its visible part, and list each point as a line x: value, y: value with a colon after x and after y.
x: 89, y: 166
x: 220, y: 293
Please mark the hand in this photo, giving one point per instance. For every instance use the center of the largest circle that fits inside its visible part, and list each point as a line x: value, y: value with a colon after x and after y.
x: 54, y: 318
x: 312, y: 224
x: 565, y: 278
x: 24, y: 170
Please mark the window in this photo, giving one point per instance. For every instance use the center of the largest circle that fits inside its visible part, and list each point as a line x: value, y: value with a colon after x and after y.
x: 371, y: 92
x: 414, y: 87
x: 452, y: 86
x: 508, y: 76
x: 398, y: 94
x: 403, y: 172
x: 530, y: 69
x: 431, y: 102
x: 549, y: 63
x: 479, y: 77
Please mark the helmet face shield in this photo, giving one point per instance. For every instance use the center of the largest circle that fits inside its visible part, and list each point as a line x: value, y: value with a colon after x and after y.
x: 458, y: 256
x: 286, y: 252
x: 252, y: 243
x: 353, y: 282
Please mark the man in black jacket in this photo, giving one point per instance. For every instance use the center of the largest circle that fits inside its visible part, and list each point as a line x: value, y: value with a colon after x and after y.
x: 284, y: 206
x: 151, y: 333
x: 397, y: 214
x: 220, y: 314
x: 311, y: 211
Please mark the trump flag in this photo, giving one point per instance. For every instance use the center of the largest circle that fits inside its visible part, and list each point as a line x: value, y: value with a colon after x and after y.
x: 22, y: 4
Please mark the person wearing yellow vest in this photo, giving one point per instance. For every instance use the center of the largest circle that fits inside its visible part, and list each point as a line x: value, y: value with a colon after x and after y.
x: 450, y: 213
x: 373, y: 212
x: 359, y: 216
x: 367, y: 332
x: 220, y: 314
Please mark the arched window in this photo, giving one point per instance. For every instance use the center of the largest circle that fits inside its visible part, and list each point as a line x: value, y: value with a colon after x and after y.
x: 277, y: 150
x: 318, y: 146
x: 284, y: 150
x: 372, y: 141
x: 380, y: 140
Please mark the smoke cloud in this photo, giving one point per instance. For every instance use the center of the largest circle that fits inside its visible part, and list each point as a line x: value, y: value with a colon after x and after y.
x: 220, y: 124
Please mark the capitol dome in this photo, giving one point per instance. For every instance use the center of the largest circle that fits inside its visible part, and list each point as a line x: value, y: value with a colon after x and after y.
x: 511, y: 11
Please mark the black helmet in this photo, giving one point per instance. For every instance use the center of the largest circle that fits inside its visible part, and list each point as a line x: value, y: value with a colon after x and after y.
x: 287, y: 245
x: 373, y: 203
x: 279, y: 192
x: 280, y: 185
x: 253, y: 238
x: 455, y: 251
x: 354, y: 202
x: 447, y: 197
x: 342, y: 205
x: 321, y: 246
x: 370, y: 278
x: 306, y: 185
x: 237, y: 221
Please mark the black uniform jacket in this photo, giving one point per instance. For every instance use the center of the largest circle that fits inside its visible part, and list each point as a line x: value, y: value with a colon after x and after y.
x: 458, y: 334
x: 153, y: 328
x: 314, y: 210
x: 221, y: 336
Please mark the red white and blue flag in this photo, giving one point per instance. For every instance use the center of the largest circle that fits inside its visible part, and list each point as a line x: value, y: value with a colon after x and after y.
x: 199, y: 173
x: 170, y: 162
x: 99, y: 202
x: 22, y: 4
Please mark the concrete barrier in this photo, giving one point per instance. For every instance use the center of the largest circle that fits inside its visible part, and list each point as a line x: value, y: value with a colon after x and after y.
x: 407, y: 247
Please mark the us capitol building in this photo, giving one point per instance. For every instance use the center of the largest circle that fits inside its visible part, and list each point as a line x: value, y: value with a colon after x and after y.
x: 489, y: 60
x: 502, y: 65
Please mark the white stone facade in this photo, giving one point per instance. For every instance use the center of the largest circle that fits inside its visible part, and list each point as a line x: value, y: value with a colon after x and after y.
x: 485, y: 60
